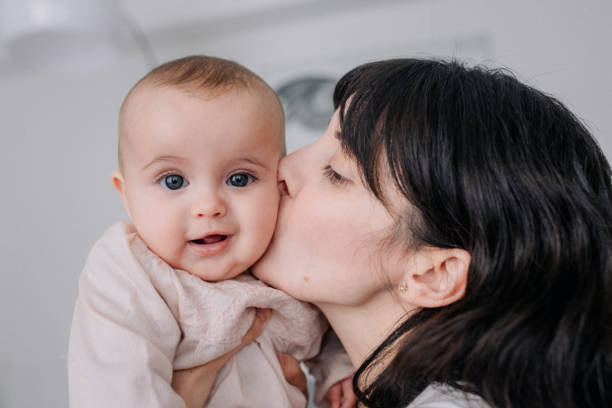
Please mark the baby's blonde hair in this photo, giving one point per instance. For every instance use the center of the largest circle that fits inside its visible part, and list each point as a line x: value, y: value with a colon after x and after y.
x: 201, y: 75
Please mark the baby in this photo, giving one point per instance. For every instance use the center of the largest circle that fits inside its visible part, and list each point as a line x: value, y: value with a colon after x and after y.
x: 200, y: 139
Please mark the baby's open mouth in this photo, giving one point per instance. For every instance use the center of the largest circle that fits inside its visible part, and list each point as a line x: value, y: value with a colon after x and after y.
x: 210, y: 239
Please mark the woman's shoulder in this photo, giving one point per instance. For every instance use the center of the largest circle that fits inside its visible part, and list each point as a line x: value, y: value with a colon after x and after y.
x: 445, y: 396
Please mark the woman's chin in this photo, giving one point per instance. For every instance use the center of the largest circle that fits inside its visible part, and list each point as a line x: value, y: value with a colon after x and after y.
x: 260, y: 270
x: 265, y: 271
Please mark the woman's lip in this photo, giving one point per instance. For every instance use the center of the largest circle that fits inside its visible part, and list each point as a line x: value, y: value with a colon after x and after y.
x: 210, y: 249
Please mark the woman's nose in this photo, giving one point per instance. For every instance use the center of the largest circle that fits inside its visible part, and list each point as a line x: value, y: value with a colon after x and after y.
x: 209, y: 205
x: 289, y: 178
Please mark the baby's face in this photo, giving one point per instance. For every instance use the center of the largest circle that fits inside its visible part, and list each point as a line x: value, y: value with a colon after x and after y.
x: 199, y: 177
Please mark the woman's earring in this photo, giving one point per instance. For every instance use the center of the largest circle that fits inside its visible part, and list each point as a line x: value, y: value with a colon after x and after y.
x: 402, y: 287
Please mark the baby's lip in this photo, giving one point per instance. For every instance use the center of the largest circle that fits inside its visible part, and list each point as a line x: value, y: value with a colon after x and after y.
x: 211, y: 238
x: 210, y: 244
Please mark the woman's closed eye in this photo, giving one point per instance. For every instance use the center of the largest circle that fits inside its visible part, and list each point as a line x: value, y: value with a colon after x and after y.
x: 333, y: 176
x: 240, y: 180
x: 172, y: 181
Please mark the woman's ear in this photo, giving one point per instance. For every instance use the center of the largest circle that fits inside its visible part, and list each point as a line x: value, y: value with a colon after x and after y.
x: 119, y: 184
x: 435, y: 277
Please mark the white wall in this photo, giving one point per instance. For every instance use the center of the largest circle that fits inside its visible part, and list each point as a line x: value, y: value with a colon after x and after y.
x: 58, y: 134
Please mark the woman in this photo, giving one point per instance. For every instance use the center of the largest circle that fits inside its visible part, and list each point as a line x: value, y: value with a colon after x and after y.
x: 455, y: 227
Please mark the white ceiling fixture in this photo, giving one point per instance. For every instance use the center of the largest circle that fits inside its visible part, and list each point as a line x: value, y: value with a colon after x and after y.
x: 60, y: 35
x: 162, y: 15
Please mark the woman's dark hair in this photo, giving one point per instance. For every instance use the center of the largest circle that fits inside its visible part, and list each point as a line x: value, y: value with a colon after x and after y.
x: 509, y: 174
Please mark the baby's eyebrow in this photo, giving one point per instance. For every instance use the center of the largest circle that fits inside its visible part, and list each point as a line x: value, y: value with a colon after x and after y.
x: 167, y: 158
x: 253, y: 160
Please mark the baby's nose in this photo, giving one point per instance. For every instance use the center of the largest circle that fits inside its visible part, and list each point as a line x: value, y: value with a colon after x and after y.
x: 209, y: 206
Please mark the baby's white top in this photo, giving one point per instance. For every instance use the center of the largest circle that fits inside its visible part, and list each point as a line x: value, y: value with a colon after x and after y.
x: 137, y: 319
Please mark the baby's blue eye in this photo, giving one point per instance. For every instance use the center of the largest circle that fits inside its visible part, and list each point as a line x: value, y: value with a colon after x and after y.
x: 173, y: 182
x: 240, y: 180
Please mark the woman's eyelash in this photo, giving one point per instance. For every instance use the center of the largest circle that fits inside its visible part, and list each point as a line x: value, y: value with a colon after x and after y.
x: 333, y: 176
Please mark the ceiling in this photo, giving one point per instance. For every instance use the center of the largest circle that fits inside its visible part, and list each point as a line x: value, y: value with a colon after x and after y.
x: 153, y: 24
x: 158, y: 15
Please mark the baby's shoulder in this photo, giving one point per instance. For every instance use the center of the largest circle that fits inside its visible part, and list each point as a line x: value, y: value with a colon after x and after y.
x: 115, y: 238
x: 120, y: 255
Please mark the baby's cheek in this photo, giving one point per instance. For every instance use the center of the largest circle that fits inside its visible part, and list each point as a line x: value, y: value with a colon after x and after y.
x: 264, y: 229
x: 162, y: 236
x: 268, y: 205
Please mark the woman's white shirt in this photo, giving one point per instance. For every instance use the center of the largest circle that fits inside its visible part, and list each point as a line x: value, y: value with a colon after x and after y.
x: 444, y: 396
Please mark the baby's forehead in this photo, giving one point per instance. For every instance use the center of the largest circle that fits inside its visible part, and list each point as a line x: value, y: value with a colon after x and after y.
x: 148, y: 94
x: 144, y: 93
x: 151, y: 111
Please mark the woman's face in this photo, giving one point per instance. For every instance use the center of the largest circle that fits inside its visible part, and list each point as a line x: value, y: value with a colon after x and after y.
x: 328, y: 244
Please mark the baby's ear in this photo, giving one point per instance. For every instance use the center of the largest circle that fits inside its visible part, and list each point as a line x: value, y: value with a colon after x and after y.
x: 436, y: 277
x: 119, y: 184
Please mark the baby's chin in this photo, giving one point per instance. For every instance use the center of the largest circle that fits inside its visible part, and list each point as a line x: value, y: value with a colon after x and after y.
x: 224, y: 266
x: 208, y: 274
x: 219, y: 276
